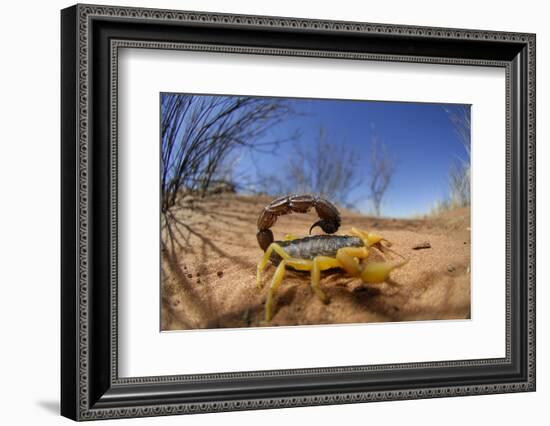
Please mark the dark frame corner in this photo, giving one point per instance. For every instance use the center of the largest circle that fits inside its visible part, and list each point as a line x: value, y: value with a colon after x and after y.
x: 90, y: 37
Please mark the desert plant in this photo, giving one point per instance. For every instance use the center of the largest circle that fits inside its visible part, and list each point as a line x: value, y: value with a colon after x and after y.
x: 199, y: 133
x: 459, y: 184
x: 317, y: 168
x: 381, y: 169
x: 459, y: 171
x: 321, y: 169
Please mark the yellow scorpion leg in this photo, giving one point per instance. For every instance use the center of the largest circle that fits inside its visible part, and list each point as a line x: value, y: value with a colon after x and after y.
x: 273, y: 247
x: 321, y: 263
x: 275, y: 283
x: 290, y: 237
x: 298, y: 264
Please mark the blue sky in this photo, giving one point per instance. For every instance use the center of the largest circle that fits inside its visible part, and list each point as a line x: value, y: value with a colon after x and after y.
x: 420, y: 137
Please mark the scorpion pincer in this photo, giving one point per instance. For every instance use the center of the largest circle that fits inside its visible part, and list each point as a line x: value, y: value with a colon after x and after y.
x: 320, y: 252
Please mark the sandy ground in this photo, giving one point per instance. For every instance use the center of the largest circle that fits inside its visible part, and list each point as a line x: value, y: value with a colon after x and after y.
x: 210, y: 253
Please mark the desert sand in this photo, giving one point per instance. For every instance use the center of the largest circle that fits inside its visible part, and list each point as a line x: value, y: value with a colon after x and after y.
x: 210, y: 253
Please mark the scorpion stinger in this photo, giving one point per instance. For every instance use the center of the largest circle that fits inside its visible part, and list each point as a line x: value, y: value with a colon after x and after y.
x: 328, y: 226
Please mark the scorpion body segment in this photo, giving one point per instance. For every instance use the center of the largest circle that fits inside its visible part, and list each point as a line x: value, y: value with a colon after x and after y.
x: 329, y: 217
x: 313, y: 246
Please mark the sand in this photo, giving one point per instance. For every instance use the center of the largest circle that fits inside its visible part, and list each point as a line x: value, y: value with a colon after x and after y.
x: 210, y: 253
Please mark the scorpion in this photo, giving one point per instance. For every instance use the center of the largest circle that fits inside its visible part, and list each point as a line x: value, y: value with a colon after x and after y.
x: 316, y: 253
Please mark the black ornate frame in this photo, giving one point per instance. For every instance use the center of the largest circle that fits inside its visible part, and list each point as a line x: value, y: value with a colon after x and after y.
x: 91, y: 37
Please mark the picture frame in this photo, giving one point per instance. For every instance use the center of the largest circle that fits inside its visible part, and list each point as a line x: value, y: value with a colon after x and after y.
x: 90, y: 384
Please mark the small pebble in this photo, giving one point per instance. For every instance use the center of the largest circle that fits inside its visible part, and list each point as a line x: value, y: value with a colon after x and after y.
x: 189, y: 275
x: 450, y: 268
x: 220, y: 274
x: 422, y: 245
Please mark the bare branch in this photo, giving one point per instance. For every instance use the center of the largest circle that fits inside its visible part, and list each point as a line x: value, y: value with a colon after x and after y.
x: 460, y: 118
x: 199, y: 133
x: 459, y: 172
x: 322, y: 168
x: 380, y: 172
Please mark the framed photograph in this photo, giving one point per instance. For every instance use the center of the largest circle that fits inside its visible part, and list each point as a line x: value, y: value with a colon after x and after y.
x: 263, y: 212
